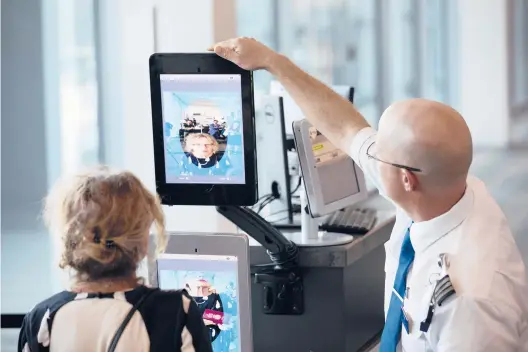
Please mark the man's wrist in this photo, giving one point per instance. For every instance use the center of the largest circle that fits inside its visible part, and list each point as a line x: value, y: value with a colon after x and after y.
x: 276, y: 64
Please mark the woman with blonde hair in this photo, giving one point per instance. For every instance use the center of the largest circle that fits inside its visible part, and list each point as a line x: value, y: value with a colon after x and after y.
x: 104, y: 219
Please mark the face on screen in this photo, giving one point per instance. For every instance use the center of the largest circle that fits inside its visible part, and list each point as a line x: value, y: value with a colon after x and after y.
x: 202, y: 119
x: 213, y: 283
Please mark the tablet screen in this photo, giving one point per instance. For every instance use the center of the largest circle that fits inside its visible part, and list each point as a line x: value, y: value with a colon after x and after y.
x: 203, y: 128
x: 212, y: 280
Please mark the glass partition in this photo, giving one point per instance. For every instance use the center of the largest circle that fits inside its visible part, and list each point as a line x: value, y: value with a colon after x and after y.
x: 78, y: 84
x: 387, y: 50
x: 520, y: 52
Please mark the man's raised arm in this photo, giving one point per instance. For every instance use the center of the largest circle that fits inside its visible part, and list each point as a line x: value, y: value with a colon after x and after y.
x: 333, y: 115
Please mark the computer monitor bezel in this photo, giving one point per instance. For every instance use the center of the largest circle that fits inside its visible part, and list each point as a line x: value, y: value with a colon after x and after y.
x: 312, y: 183
x: 272, y: 154
x: 217, y: 244
x: 203, y: 194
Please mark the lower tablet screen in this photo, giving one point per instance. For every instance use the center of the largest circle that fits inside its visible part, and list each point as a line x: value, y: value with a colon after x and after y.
x: 203, y: 131
x: 212, y: 280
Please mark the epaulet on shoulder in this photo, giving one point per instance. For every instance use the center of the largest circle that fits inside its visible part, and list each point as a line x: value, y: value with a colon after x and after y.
x: 444, y: 287
x: 443, y: 290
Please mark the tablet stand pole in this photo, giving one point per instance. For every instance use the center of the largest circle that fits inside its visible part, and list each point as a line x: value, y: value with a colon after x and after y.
x: 281, y: 280
x: 309, y: 225
x: 310, y: 236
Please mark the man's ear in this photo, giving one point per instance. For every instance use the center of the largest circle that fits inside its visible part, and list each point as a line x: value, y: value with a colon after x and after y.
x: 409, y: 180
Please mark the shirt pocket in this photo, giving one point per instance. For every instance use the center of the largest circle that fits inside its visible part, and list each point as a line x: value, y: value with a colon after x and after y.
x: 415, y: 340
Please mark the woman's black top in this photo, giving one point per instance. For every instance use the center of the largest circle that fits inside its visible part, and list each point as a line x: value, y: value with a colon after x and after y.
x: 166, y: 321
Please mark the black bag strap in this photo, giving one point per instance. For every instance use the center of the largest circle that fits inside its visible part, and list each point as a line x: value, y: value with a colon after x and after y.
x: 127, y: 319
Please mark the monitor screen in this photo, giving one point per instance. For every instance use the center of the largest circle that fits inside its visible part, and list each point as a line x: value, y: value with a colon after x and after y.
x: 203, y: 128
x: 212, y: 280
x: 337, y: 174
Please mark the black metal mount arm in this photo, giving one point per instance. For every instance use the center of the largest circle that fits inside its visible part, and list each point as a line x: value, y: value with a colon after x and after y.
x: 281, y: 280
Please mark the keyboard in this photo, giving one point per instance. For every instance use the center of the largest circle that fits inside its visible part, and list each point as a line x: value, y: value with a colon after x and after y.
x: 350, y: 221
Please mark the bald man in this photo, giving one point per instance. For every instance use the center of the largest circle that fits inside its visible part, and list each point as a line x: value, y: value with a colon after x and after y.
x: 455, y: 280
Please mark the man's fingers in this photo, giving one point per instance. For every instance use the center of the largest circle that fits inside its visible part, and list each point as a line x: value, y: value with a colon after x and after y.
x: 226, y: 53
x: 226, y: 49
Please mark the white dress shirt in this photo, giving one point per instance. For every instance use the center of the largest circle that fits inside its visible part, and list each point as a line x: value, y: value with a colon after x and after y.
x: 490, y: 309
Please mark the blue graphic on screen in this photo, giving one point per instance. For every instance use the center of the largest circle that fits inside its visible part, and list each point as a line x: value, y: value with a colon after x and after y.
x: 214, y: 286
x: 203, y: 131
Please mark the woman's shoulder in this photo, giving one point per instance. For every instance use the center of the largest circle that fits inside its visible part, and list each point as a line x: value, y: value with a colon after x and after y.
x: 45, y: 310
x: 52, y: 303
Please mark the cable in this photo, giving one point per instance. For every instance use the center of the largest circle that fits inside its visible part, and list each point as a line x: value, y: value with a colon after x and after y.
x: 277, y: 212
x: 287, y: 259
x: 261, y: 199
x: 264, y: 196
x: 298, y: 185
x: 264, y: 203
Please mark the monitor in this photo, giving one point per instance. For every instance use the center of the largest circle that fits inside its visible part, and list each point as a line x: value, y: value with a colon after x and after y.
x: 332, y: 180
x: 214, y: 270
x: 273, y: 173
x: 292, y: 112
x: 203, y: 130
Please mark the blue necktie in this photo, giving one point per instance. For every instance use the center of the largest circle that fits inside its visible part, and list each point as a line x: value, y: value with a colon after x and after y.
x: 393, y: 324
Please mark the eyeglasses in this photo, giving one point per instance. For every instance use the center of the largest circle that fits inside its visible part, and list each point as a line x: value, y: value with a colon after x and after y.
x: 409, y: 168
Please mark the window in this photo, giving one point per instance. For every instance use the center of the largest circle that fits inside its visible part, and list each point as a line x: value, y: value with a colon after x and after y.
x: 387, y: 50
x: 436, y: 70
x: 520, y: 52
x: 78, y: 84
x: 336, y: 41
x: 257, y: 19
x: 403, y: 41
x: 421, y: 44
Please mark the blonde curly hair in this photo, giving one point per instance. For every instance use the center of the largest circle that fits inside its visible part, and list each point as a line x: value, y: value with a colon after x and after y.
x: 103, y: 218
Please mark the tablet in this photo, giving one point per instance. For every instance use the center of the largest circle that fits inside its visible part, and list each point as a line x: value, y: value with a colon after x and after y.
x: 203, y: 130
x: 214, y: 269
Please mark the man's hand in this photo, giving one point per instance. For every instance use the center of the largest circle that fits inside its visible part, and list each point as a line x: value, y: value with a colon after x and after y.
x: 247, y: 53
x: 329, y: 113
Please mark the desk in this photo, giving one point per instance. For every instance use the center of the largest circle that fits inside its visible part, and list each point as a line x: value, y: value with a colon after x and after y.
x: 343, y: 288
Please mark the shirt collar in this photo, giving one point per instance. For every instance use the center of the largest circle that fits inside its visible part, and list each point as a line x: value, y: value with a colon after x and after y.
x: 425, y: 233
